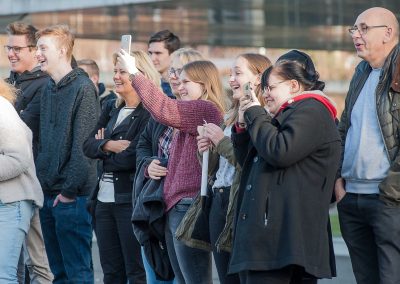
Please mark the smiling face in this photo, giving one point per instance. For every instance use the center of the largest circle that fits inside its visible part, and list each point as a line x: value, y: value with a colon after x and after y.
x: 371, y: 45
x: 173, y: 75
x: 48, y: 54
x: 278, y: 92
x: 121, y: 81
x: 25, y: 58
x: 240, y: 75
x: 189, y: 90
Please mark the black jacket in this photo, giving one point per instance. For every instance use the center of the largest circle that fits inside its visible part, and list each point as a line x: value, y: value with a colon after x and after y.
x: 123, y: 164
x: 30, y: 85
x: 289, y: 168
x: 69, y: 111
x: 148, y: 142
x: 388, y: 114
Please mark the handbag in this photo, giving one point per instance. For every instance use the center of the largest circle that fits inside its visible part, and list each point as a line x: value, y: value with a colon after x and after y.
x: 194, y: 229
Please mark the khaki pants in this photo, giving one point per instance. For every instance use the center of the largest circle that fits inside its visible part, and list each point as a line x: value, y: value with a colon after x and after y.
x: 35, y: 253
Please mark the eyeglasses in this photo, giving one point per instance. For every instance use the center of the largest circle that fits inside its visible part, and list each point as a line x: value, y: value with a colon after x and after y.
x: 269, y: 88
x: 363, y: 28
x: 17, y: 49
x: 175, y: 71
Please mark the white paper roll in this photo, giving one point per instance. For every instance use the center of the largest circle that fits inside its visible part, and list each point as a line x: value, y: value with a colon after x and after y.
x: 204, y: 173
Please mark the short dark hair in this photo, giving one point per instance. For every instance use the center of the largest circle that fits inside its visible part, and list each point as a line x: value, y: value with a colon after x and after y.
x: 21, y: 28
x: 289, y: 70
x: 171, y: 41
x: 91, y: 64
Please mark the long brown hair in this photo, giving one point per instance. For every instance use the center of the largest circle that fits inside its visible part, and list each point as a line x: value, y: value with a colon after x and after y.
x: 206, y: 73
x: 257, y: 64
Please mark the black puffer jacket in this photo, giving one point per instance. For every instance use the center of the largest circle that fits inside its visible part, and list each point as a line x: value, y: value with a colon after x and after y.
x: 30, y: 85
x: 388, y: 111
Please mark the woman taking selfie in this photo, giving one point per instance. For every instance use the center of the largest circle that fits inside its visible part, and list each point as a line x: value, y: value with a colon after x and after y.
x: 201, y: 99
x: 289, y: 165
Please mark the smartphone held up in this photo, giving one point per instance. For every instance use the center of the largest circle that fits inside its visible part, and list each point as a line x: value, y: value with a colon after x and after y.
x: 126, y: 43
x: 247, y: 88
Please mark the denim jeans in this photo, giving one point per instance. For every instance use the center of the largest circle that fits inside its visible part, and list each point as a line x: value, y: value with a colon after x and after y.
x: 67, y: 234
x: 15, y: 218
x: 371, y: 230
x: 190, y: 265
x: 150, y: 275
x: 34, y: 265
x: 119, y: 249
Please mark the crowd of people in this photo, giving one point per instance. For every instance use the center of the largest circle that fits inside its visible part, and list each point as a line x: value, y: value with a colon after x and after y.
x: 128, y: 163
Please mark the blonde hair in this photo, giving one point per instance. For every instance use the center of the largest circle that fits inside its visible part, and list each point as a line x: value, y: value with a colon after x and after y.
x: 257, y: 64
x: 206, y: 73
x: 186, y: 55
x: 64, y: 36
x: 8, y: 91
x: 145, y: 66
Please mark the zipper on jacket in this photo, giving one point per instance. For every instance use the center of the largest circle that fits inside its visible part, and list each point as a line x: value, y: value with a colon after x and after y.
x: 266, y: 213
x: 379, y: 124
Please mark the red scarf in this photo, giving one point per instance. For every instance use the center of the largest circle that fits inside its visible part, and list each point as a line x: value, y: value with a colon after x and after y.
x: 325, y: 101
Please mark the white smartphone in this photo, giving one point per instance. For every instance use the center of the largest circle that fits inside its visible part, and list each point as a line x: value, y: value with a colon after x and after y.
x: 126, y: 43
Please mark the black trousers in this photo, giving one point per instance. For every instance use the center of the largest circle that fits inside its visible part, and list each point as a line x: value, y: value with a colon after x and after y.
x: 219, y: 206
x: 291, y: 274
x: 371, y: 230
x: 120, y: 255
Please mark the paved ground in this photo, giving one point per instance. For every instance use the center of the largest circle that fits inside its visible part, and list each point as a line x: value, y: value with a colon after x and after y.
x: 345, y: 273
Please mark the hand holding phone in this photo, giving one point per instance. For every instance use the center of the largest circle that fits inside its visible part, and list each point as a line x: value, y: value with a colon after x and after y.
x: 126, y: 43
x: 247, y: 88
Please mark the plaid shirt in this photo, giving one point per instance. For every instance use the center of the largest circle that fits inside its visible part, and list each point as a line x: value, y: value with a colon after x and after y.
x: 164, y: 143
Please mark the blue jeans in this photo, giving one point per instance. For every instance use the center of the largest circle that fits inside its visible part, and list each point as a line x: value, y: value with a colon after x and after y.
x: 14, y: 223
x: 150, y: 275
x: 190, y: 265
x: 67, y: 234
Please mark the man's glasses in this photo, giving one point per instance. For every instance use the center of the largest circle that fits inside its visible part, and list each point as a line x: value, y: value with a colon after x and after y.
x: 363, y: 28
x: 175, y: 71
x: 17, y: 49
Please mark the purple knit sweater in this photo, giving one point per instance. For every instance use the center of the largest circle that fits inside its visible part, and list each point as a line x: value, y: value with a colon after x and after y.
x: 184, y: 171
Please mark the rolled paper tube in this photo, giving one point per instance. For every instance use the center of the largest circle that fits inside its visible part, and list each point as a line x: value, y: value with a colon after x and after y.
x: 204, y: 167
x: 204, y: 173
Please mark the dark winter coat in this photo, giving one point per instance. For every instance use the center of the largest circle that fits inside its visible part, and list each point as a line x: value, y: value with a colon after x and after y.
x: 289, y: 166
x: 147, y: 146
x: 30, y: 85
